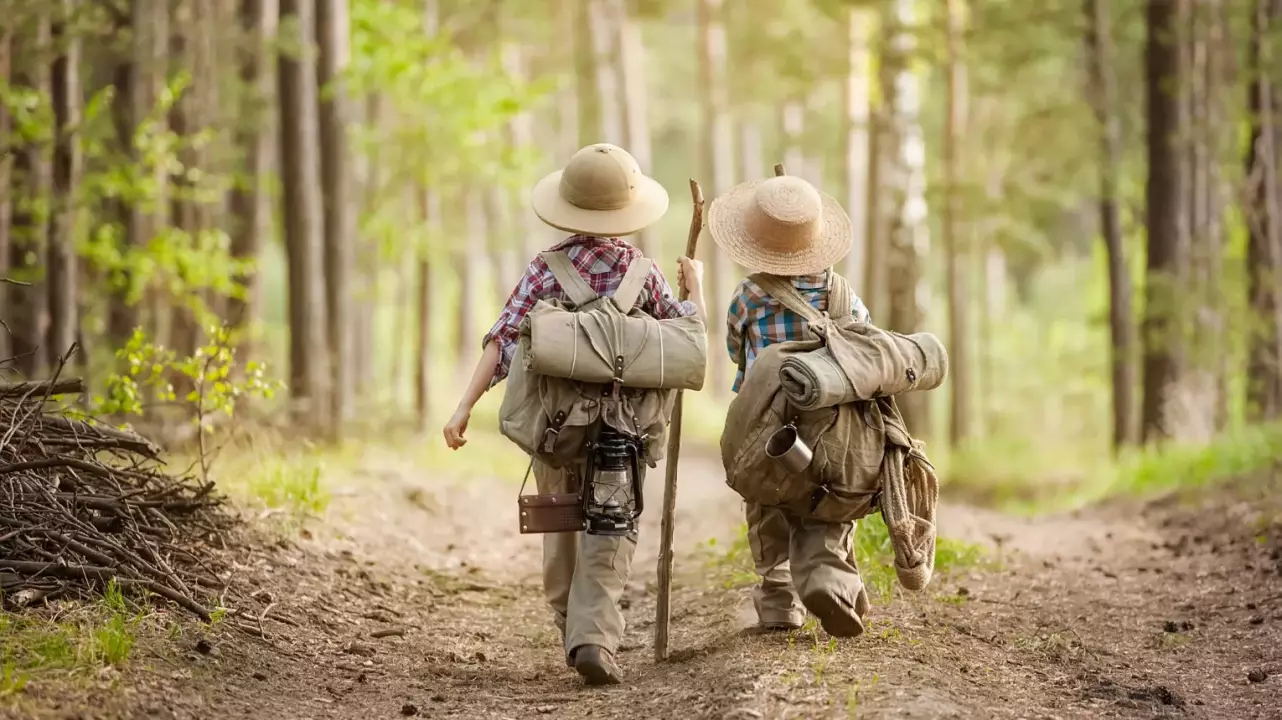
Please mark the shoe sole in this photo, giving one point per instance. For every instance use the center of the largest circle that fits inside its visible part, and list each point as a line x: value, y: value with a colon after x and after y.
x: 596, y: 673
x: 837, y: 618
x: 779, y: 626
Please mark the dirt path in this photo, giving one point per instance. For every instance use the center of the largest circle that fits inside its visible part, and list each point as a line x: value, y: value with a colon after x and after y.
x: 1147, y: 611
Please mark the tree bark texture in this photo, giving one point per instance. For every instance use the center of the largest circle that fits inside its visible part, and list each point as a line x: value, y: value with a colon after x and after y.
x: 27, y: 309
x: 857, y: 98
x: 6, y: 182
x: 717, y: 148
x: 333, y: 31
x: 250, y: 201
x: 603, y: 29
x: 957, y: 255
x: 635, y: 100
x: 1264, y: 215
x: 1164, y: 195
x: 304, y: 215
x: 63, y: 266
x: 909, y: 239
x: 1103, y: 92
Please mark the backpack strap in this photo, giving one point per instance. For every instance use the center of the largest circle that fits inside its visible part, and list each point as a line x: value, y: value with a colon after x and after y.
x: 785, y: 292
x: 625, y: 296
x: 575, y: 287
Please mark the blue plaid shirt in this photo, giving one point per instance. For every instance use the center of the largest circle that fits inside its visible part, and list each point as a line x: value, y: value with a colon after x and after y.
x: 755, y: 319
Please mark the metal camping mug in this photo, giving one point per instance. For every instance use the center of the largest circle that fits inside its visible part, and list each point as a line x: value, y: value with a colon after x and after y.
x: 786, y: 446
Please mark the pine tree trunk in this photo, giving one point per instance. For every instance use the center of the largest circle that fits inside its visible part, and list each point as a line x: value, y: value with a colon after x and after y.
x: 906, y: 182
x: 876, y: 227
x: 857, y: 99
x: 1164, y: 207
x: 602, y: 24
x: 368, y: 263
x: 957, y: 256
x: 521, y: 135
x: 304, y: 215
x: 635, y: 100
x: 586, y: 87
x: 64, y: 269
x: 6, y: 184
x: 29, y: 318
x: 1264, y: 216
x: 717, y: 165
x: 467, y: 263
x: 423, y: 387
x: 333, y: 30
x: 1102, y: 87
x: 250, y: 201
x: 187, y: 119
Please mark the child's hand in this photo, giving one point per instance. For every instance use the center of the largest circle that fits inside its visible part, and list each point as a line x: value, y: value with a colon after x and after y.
x: 690, y: 275
x: 455, y: 428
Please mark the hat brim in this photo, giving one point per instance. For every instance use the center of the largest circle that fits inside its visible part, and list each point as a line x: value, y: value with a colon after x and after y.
x: 727, y: 224
x: 649, y: 204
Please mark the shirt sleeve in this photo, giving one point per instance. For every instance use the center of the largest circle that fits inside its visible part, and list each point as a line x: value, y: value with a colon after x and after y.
x: 507, y: 329
x: 859, y: 310
x: 736, y: 321
x: 660, y: 301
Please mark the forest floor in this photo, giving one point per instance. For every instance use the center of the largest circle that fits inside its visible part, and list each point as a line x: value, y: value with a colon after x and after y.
x: 1162, y: 608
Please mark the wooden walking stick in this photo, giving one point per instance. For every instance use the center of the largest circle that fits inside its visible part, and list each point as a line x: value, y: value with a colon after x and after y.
x: 663, y: 613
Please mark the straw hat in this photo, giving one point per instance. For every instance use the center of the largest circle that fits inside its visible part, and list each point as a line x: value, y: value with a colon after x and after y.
x: 600, y: 192
x: 781, y: 226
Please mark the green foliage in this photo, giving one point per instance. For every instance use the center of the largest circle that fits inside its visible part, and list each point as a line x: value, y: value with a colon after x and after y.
x: 182, y: 262
x: 874, y: 555
x: 444, y: 111
x: 87, y: 639
x: 216, y: 383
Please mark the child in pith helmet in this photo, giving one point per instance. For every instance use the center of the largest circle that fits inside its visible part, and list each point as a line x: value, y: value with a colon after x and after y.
x: 600, y: 196
x: 786, y: 228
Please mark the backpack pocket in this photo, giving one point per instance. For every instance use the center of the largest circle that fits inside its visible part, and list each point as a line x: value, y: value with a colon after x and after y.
x: 763, y: 480
x: 855, y: 451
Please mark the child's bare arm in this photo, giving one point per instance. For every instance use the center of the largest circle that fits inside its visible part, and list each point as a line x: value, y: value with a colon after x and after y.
x: 480, y: 382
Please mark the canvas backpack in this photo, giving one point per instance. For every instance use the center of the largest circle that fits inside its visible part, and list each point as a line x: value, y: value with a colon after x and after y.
x: 553, y: 417
x: 864, y: 460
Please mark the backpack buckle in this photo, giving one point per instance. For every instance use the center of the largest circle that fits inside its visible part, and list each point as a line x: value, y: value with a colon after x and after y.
x: 548, y: 443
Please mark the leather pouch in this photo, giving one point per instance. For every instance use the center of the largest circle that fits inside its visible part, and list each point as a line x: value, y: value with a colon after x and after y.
x: 553, y: 513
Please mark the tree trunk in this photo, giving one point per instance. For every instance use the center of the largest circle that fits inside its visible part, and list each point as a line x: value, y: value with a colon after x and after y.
x: 29, y: 252
x: 1164, y: 193
x: 6, y: 184
x: 369, y: 262
x: 467, y: 264
x: 152, y: 31
x: 586, y: 87
x: 333, y: 30
x: 957, y: 257
x: 186, y: 118
x: 63, y: 268
x: 1264, y: 217
x: 250, y: 201
x: 1103, y: 92
x: 879, y: 203
x: 304, y: 215
x: 717, y: 164
x: 906, y: 182
x: 423, y: 387
x: 635, y: 100
x: 602, y: 24
x: 521, y: 135
x: 857, y: 97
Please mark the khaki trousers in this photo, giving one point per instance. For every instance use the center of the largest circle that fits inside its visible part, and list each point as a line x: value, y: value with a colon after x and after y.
x: 584, y: 575
x: 804, y: 564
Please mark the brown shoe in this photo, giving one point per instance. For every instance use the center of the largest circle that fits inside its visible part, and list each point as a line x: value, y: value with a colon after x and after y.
x: 596, y: 665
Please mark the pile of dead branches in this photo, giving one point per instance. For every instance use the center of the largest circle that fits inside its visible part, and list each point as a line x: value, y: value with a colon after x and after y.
x: 83, y: 505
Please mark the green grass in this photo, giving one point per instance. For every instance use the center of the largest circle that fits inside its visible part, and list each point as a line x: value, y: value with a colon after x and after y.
x: 77, y: 644
x: 732, y: 566
x: 1020, y: 477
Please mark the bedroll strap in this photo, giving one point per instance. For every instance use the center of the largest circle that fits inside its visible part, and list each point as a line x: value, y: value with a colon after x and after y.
x: 575, y: 287
x: 625, y: 296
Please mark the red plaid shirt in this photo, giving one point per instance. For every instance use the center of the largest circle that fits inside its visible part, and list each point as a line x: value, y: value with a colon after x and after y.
x: 602, y: 262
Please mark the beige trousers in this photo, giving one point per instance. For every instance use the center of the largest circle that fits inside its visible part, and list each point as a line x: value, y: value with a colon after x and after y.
x: 804, y: 564
x: 584, y: 575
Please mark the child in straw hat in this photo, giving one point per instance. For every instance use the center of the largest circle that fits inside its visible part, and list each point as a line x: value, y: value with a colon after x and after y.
x: 783, y: 226
x: 600, y: 196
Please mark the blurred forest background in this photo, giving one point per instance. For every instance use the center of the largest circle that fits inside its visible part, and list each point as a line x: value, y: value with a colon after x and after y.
x: 1080, y: 196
